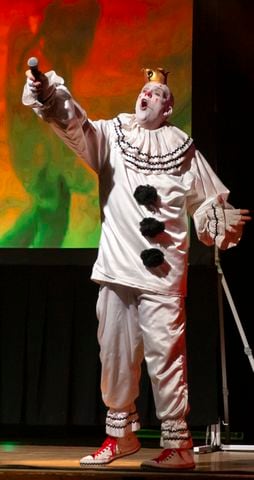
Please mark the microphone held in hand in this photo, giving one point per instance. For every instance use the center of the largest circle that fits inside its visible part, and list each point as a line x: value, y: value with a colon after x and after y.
x: 33, y: 65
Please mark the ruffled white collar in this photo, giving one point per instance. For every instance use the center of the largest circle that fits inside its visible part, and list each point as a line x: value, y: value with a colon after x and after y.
x: 151, y: 151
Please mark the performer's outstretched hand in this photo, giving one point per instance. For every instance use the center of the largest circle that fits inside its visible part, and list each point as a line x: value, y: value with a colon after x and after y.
x: 37, y: 86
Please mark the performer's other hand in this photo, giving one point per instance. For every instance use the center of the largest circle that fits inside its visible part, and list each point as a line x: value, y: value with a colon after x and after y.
x: 236, y: 218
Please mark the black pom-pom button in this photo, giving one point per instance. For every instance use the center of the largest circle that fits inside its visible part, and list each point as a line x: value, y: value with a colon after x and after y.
x: 146, y: 195
x: 150, y: 227
x: 152, y: 257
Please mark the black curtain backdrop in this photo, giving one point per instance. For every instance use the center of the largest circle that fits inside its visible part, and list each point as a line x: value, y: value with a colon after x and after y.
x: 49, y: 364
x: 222, y: 127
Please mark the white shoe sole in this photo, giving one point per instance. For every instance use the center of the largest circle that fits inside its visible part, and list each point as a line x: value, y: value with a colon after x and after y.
x: 103, y: 463
x: 156, y: 466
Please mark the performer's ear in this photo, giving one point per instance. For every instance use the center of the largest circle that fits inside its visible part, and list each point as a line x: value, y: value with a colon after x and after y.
x: 168, y: 112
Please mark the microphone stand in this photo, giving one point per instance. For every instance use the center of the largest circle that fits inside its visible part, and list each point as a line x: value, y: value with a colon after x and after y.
x: 214, y: 431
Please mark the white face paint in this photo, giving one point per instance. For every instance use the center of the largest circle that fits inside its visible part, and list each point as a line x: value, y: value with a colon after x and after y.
x: 153, y: 105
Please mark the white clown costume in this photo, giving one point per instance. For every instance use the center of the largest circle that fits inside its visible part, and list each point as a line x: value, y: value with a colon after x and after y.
x: 150, y: 181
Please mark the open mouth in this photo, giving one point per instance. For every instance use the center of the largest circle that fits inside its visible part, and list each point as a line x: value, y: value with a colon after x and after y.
x: 144, y: 103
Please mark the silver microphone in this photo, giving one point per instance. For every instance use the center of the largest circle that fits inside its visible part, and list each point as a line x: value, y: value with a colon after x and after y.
x: 33, y: 64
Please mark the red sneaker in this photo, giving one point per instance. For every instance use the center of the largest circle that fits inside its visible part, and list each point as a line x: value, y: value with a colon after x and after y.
x: 171, y: 458
x: 111, y: 449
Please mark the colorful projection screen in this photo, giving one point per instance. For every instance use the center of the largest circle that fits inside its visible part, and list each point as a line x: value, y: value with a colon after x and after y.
x: 48, y: 197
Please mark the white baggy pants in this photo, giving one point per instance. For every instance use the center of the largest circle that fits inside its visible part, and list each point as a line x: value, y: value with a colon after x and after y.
x: 136, y: 324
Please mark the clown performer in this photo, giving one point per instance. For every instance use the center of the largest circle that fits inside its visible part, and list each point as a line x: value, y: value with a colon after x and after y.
x: 151, y: 177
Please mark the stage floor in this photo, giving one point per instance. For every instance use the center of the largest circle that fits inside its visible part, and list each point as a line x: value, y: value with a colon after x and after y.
x: 34, y: 462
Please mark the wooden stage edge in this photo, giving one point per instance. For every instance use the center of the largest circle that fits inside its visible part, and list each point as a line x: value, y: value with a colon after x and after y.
x: 47, y: 462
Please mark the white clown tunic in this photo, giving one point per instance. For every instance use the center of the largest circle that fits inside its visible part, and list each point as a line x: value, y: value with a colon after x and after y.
x: 141, y: 308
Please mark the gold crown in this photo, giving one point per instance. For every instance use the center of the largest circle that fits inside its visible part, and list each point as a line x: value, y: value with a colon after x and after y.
x: 158, y: 75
